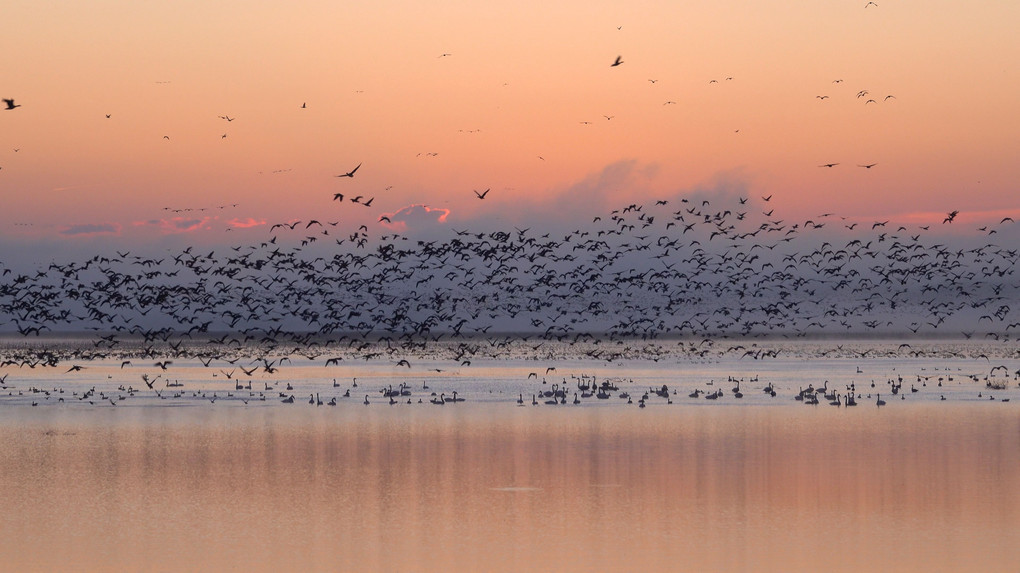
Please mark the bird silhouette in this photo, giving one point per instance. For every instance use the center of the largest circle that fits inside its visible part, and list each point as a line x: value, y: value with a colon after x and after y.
x: 351, y: 172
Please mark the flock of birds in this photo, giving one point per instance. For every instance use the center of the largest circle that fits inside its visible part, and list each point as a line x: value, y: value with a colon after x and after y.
x: 646, y: 281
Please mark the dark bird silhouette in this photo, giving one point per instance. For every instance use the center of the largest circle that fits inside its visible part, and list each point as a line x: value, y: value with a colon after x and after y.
x: 482, y: 194
x: 950, y: 217
x: 617, y: 61
x: 351, y: 172
x: 10, y: 103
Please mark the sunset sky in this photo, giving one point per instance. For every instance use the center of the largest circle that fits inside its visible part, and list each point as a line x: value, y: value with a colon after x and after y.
x: 437, y: 100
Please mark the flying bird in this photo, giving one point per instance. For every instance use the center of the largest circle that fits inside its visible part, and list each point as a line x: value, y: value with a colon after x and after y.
x: 350, y: 173
x: 868, y: 166
x: 10, y: 103
x: 828, y: 164
x: 950, y: 216
x: 616, y: 62
x: 481, y: 195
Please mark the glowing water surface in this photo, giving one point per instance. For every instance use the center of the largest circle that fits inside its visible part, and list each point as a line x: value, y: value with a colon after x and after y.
x: 492, y: 486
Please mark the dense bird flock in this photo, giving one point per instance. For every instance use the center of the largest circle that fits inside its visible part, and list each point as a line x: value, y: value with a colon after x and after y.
x: 687, y: 269
x: 644, y: 282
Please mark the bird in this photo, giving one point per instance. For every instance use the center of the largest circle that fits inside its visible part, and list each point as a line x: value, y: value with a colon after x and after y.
x: 868, y: 166
x: 828, y: 164
x: 10, y: 103
x: 482, y: 194
x: 351, y: 172
x: 617, y: 61
x: 950, y: 216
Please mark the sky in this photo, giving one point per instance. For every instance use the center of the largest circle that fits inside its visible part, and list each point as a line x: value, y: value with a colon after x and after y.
x: 121, y: 136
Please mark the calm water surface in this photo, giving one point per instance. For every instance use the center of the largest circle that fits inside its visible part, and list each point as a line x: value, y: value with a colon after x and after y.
x: 496, y: 487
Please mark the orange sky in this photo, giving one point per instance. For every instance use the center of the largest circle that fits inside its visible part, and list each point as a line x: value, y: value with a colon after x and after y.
x: 504, y: 110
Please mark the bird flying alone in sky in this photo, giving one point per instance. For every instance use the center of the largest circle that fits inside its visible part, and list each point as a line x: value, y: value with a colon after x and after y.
x: 617, y: 61
x: 351, y: 172
x: 11, y: 105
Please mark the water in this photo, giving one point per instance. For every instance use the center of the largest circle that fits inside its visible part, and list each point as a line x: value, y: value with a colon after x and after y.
x: 759, y: 483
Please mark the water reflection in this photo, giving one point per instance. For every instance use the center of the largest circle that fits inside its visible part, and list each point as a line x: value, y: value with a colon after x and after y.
x: 491, y: 487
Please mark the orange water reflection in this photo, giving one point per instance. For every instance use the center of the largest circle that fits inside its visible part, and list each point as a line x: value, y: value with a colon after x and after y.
x: 498, y: 488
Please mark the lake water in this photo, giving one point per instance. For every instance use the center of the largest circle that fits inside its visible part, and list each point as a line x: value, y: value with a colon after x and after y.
x: 203, y: 483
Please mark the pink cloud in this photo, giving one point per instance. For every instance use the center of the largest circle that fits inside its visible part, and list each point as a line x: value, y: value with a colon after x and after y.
x: 176, y: 225
x: 245, y: 223
x: 415, y: 217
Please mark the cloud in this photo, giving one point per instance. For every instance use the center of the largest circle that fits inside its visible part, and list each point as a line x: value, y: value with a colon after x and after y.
x: 615, y: 186
x: 91, y: 230
x: 176, y: 225
x: 245, y: 223
x: 416, y: 218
